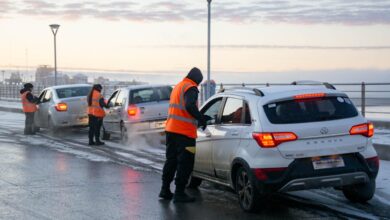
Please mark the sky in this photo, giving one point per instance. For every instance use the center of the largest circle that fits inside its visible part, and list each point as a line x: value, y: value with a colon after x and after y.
x: 161, y: 35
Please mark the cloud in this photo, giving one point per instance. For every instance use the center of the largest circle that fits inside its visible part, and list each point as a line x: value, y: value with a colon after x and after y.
x: 348, y: 12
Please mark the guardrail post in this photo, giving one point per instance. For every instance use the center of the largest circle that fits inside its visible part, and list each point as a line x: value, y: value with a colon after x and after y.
x: 363, y: 99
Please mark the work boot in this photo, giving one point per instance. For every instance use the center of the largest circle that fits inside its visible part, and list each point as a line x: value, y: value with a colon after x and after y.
x: 98, y: 142
x: 166, y: 194
x: 91, y: 143
x: 182, y: 197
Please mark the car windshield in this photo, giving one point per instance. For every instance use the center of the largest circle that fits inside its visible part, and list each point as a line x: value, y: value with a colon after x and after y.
x: 72, y: 92
x: 310, y: 110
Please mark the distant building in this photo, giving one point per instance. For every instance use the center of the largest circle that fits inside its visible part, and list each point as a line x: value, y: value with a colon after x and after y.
x: 79, y: 79
x: 44, y: 75
x: 15, y: 78
x: 101, y: 80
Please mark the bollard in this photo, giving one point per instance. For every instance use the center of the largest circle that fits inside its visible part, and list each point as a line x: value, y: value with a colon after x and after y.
x: 363, y: 98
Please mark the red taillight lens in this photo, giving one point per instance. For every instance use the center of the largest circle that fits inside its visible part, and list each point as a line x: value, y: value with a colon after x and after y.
x: 373, y: 162
x: 61, y: 107
x: 366, y: 129
x: 132, y: 111
x: 309, y: 96
x: 270, y: 140
x: 263, y: 173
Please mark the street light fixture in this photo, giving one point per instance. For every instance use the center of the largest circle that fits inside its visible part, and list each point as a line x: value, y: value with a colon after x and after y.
x: 208, y: 94
x: 54, y: 29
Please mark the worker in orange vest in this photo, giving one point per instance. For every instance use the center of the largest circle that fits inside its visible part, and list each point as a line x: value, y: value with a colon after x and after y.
x: 29, y: 102
x: 96, y: 113
x: 181, y: 133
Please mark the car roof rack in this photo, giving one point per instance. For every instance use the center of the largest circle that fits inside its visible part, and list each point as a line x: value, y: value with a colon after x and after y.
x: 257, y: 92
x: 314, y: 83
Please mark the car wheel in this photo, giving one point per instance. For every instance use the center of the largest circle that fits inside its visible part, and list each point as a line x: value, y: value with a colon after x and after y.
x: 124, y: 134
x: 248, y: 196
x: 360, y: 193
x: 194, y: 182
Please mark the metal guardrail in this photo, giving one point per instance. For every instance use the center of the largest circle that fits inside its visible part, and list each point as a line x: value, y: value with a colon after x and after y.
x: 369, y: 97
x: 372, y: 98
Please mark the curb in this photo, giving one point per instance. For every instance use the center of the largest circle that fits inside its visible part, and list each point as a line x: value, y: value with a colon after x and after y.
x: 14, y: 110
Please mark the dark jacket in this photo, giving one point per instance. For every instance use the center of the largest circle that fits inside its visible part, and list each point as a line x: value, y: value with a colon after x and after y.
x: 30, y: 97
x: 191, y: 96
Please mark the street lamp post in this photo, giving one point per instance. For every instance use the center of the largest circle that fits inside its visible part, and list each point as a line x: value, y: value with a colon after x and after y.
x: 208, y: 94
x: 54, y: 29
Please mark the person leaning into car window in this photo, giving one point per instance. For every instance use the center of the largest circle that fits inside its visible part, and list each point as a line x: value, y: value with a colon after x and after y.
x: 181, y: 131
x: 96, y: 113
x: 29, y: 103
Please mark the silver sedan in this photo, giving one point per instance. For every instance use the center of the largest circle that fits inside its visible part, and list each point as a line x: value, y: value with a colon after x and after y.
x: 63, y: 106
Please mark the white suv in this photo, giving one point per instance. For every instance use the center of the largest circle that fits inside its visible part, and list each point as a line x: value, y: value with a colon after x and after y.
x: 285, y: 138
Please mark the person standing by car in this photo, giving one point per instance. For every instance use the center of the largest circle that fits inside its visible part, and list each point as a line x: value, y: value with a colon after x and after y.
x: 29, y: 102
x: 96, y: 113
x: 181, y: 132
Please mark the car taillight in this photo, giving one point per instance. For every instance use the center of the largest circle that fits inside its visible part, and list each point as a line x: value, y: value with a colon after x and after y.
x: 366, y: 129
x: 61, y: 107
x: 132, y: 111
x: 270, y: 140
x: 264, y: 173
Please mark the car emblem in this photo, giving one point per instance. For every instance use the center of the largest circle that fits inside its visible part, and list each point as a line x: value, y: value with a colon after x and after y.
x: 324, y: 130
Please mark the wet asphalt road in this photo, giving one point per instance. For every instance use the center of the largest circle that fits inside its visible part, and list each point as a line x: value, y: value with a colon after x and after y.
x: 40, y: 183
x: 51, y: 177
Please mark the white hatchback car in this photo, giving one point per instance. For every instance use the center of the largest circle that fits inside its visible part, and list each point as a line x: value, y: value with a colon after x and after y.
x: 141, y: 109
x: 63, y: 106
x: 285, y: 138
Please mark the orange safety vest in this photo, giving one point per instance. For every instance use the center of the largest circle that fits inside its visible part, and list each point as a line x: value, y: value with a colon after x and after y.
x: 95, y: 109
x: 179, y: 120
x: 27, y: 105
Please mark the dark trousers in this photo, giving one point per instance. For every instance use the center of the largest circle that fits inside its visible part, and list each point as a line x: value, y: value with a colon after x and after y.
x: 29, y: 127
x: 95, y: 124
x: 178, y: 160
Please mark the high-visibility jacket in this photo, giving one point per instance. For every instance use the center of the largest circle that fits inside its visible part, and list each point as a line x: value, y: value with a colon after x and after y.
x: 27, y: 105
x: 179, y: 120
x: 95, y: 109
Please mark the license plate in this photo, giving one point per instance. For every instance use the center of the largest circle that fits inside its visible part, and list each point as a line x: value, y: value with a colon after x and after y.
x: 158, y: 125
x: 328, y: 162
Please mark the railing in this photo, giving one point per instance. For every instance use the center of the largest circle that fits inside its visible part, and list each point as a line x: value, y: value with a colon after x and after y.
x: 372, y: 99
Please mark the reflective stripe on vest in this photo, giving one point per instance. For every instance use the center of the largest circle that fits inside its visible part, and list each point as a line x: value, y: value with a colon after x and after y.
x: 179, y: 120
x: 27, y: 105
x: 95, y: 109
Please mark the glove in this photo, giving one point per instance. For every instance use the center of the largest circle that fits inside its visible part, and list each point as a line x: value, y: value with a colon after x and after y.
x: 207, y: 118
x: 203, y: 123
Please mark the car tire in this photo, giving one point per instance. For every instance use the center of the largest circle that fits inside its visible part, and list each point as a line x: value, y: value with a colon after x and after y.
x: 360, y: 193
x: 248, y: 196
x: 194, y: 182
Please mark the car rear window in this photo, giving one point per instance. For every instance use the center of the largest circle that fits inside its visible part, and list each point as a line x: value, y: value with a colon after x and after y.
x: 310, y: 110
x: 150, y: 94
x: 72, y: 92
